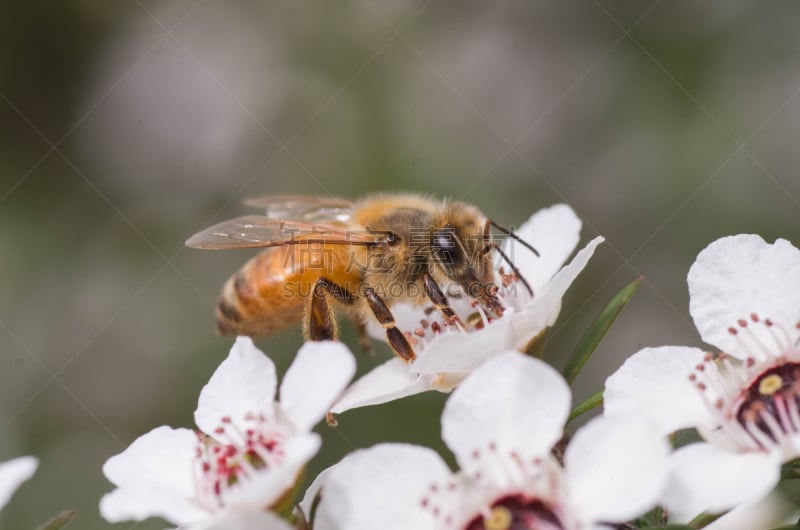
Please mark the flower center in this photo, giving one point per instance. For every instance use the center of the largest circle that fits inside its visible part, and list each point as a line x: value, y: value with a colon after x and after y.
x: 757, y: 400
x: 234, y: 455
x: 771, y: 401
x: 472, y: 316
x: 517, y: 513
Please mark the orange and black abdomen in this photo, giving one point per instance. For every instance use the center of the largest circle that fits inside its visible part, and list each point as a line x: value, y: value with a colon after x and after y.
x: 271, y: 291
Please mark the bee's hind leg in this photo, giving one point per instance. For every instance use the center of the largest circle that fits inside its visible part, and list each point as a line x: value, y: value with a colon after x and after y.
x: 321, y: 320
x: 397, y: 340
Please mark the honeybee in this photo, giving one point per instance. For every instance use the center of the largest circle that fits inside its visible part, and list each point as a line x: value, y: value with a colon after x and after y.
x: 359, y: 257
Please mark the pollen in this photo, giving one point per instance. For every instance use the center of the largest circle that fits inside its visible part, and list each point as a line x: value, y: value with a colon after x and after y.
x: 770, y: 384
x: 500, y: 518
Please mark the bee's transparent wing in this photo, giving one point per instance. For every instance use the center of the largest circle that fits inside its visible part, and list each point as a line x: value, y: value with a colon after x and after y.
x: 306, y: 208
x: 259, y: 231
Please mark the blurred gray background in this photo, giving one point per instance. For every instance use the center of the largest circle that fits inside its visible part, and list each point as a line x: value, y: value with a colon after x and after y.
x: 126, y: 127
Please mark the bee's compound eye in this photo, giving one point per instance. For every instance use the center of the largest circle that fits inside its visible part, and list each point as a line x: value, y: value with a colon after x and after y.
x: 444, y: 239
x: 445, y: 247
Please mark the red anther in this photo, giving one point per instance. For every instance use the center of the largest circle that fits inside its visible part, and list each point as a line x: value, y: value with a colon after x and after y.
x: 692, y: 378
x: 769, y: 323
x: 754, y: 317
x: 750, y: 362
x: 226, y: 419
x: 419, y: 332
x: 424, y: 503
x: 701, y: 386
x: 700, y: 367
x: 424, y: 323
x: 708, y: 357
x: 719, y: 404
x: 742, y: 323
x: 732, y: 331
x: 452, y: 486
x: 476, y: 454
x: 219, y: 430
x: 434, y: 488
x: 435, y: 327
x: 492, y: 446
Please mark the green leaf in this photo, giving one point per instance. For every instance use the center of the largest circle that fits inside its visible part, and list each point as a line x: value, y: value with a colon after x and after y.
x: 592, y: 337
x: 704, y: 519
x: 59, y: 521
x: 595, y: 400
x: 668, y: 527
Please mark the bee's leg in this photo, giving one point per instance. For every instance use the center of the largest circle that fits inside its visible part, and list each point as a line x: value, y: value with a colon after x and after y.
x: 397, y: 340
x: 321, y: 320
x: 440, y: 300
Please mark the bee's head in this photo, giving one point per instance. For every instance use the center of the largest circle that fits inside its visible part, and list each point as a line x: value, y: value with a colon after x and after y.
x: 458, y: 242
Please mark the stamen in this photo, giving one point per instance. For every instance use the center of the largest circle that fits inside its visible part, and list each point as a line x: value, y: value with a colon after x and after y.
x: 500, y: 518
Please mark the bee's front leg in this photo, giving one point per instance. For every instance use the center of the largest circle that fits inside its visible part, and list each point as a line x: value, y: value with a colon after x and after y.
x: 321, y: 320
x: 439, y: 300
x: 397, y: 340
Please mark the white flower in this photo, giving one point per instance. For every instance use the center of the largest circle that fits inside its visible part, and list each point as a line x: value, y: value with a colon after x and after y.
x: 501, y: 424
x: 249, y: 451
x: 447, y: 353
x: 12, y: 474
x: 745, y: 300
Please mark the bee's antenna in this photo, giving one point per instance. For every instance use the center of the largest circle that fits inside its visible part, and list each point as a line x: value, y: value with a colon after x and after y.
x: 496, y: 247
x: 513, y: 235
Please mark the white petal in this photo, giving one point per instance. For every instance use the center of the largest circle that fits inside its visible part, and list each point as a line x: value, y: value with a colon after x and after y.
x: 654, y: 382
x: 513, y: 401
x: 138, y: 503
x: 244, y: 383
x: 460, y: 352
x: 154, y: 477
x: 387, y: 382
x: 318, y: 375
x: 311, y: 505
x: 771, y: 512
x: 739, y: 275
x: 543, y: 310
x: 708, y: 479
x: 384, y: 487
x: 616, y: 469
x: 13, y: 473
x: 554, y: 232
x: 250, y: 520
x: 268, y: 485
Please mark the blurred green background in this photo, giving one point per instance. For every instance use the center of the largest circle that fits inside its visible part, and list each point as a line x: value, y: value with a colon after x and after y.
x: 126, y: 127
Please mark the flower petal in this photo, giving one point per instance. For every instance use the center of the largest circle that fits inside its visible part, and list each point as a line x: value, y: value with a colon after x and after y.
x: 512, y: 401
x: 387, y: 382
x: 772, y: 511
x: 384, y: 487
x: 154, y: 478
x: 315, y: 511
x: 244, y: 383
x: 268, y: 485
x: 543, y: 310
x: 616, y: 469
x: 737, y: 276
x: 318, y: 375
x: 249, y: 520
x: 654, y: 382
x: 459, y: 352
x: 13, y: 473
x: 708, y: 479
x: 554, y: 232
